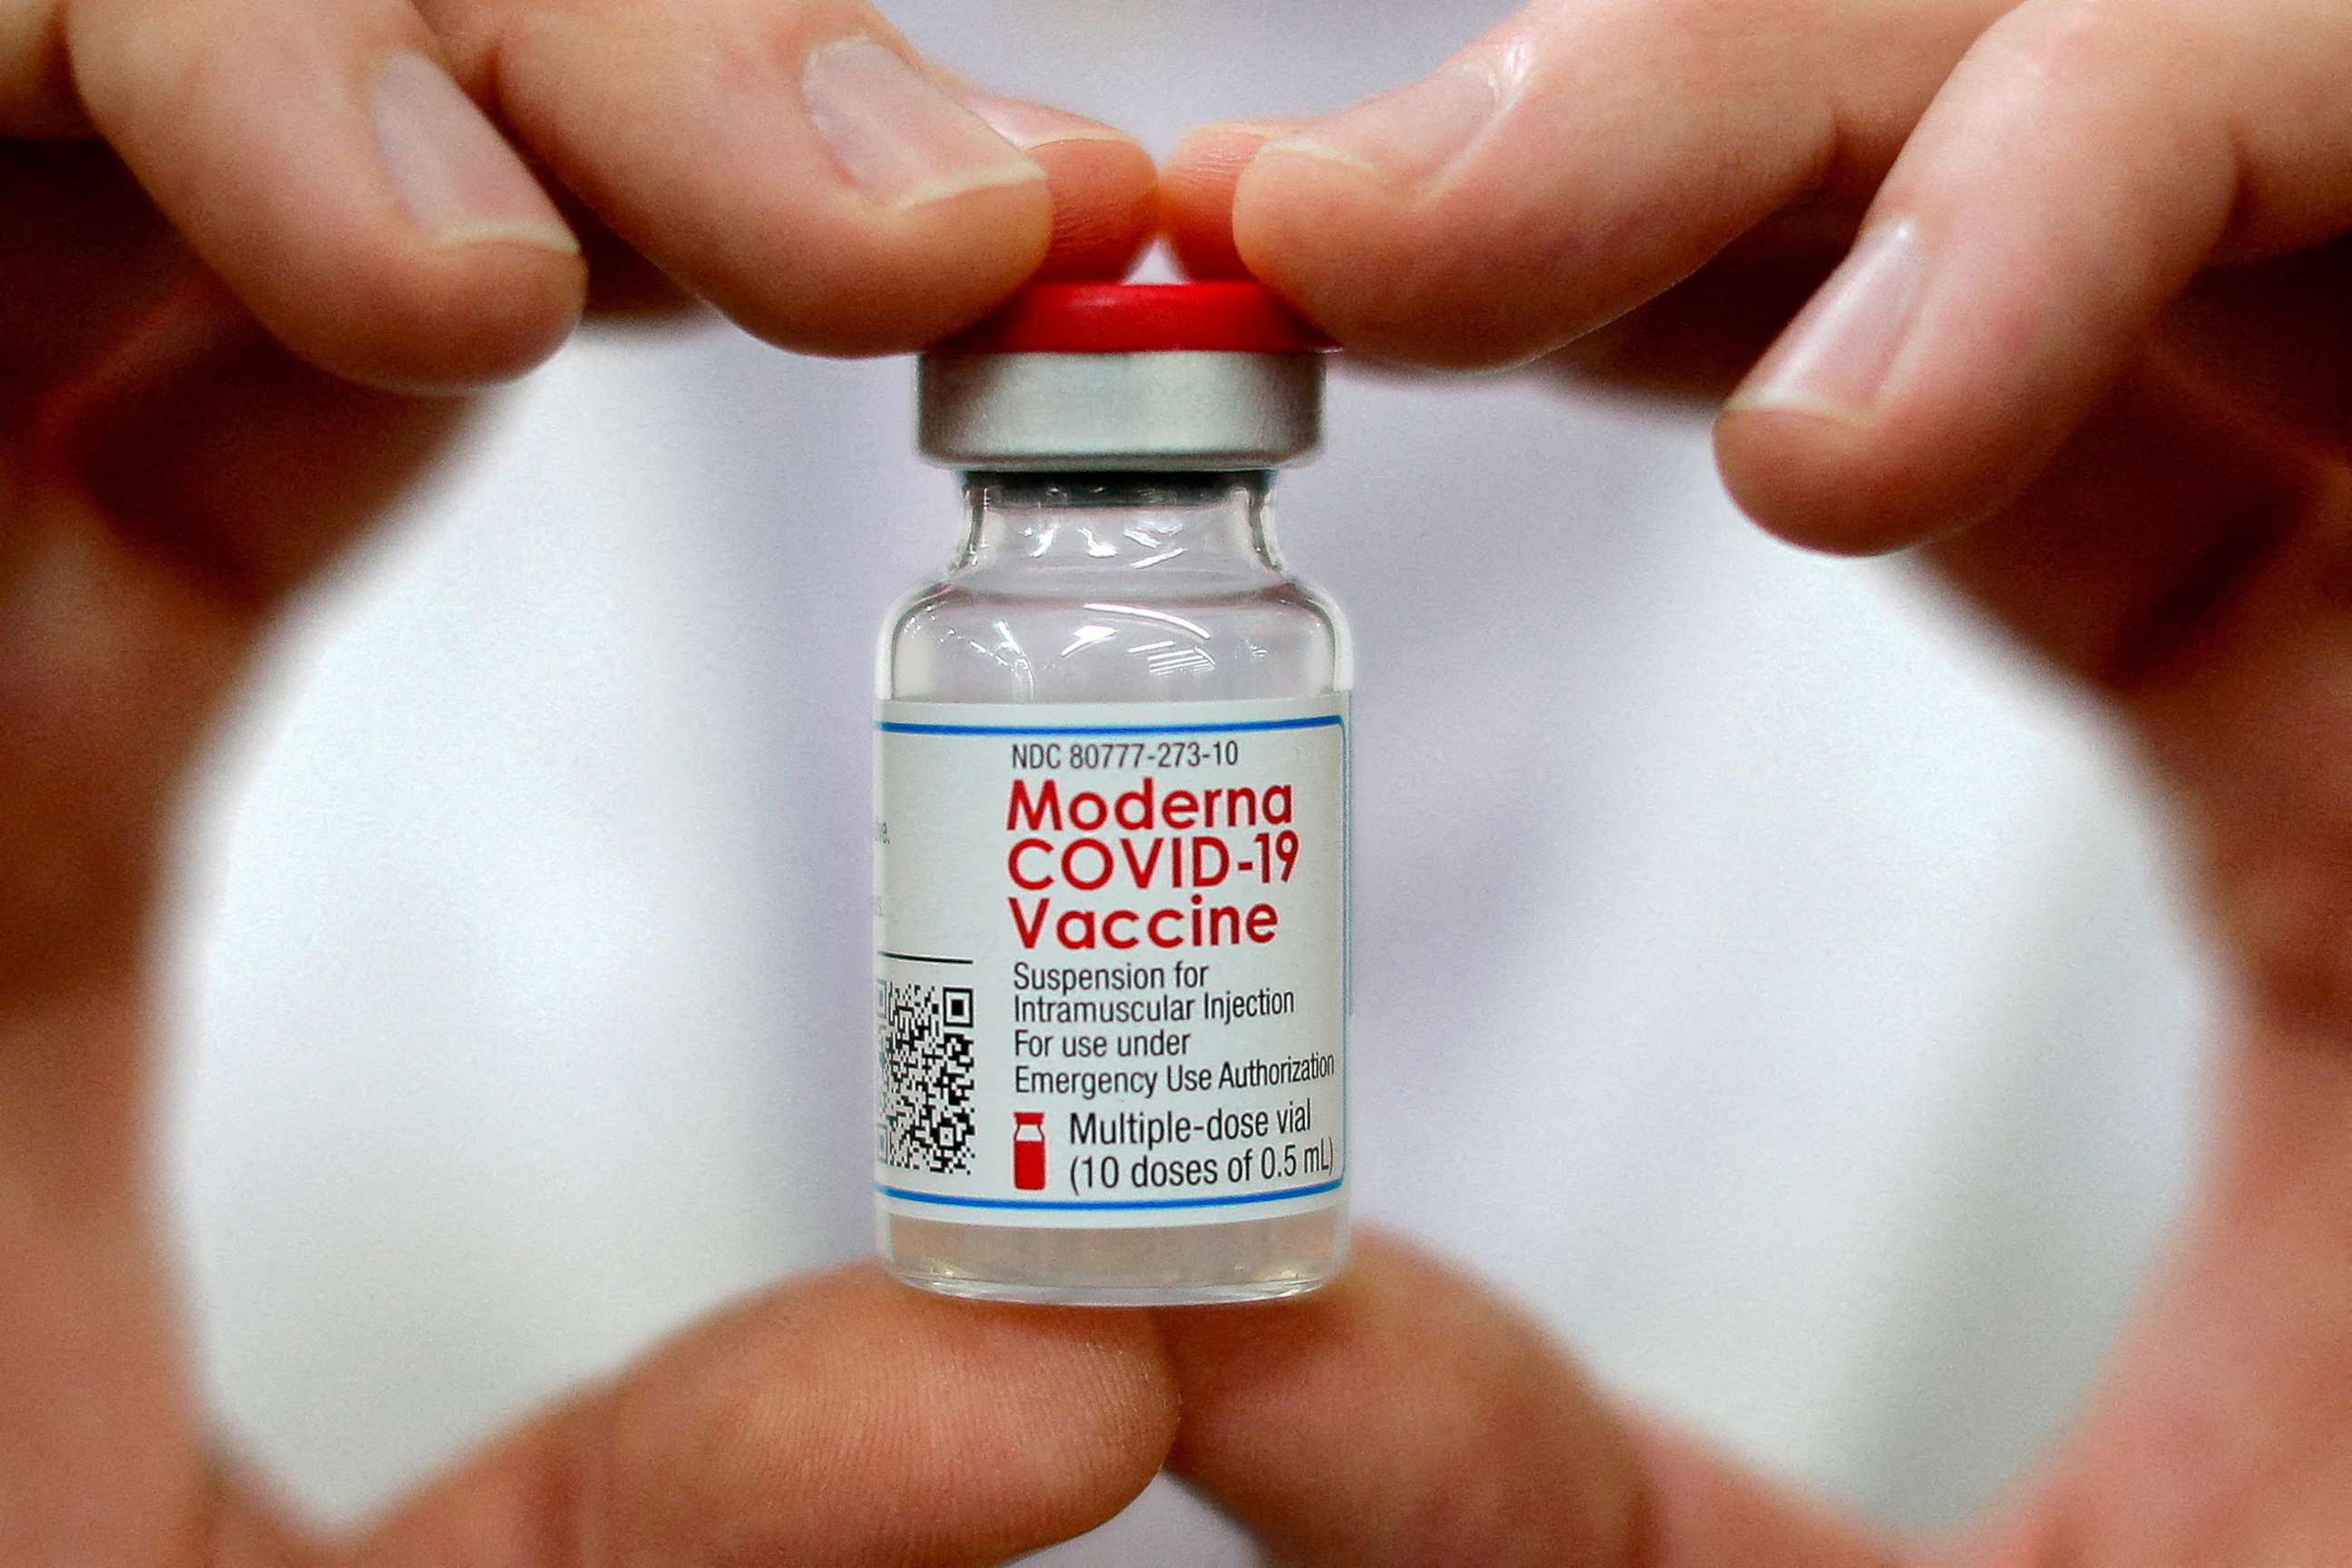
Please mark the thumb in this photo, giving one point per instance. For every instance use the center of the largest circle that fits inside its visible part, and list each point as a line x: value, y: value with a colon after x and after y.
x: 839, y: 1420
x: 1406, y: 1417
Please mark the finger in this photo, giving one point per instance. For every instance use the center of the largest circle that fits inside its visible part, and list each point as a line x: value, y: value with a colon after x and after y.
x: 1196, y: 196
x: 796, y: 166
x: 1696, y: 341
x: 153, y: 527
x: 182, y: 439
x: 2080, y: 167
x: 623, y: 285
x: 1406, y: 1417
x: 843, y: 1419
x: 1576, y: 161
x: 2143, y: 534
x: 82, y: 255
x: 123, y: 618
x: 320, y: 159
x: 2279, y: 335
x: 1103, y: 185
x: 2184, y: 555
x: 1102, y: 181
x: 37, y: 93
x: 2189, y: 560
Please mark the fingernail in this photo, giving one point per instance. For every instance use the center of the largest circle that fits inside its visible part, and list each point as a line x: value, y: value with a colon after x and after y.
x: 1409, y: 135
x: 456, y: 175
x: 1834, y: 358
x: 895, y: 135
x: 1027, y: 125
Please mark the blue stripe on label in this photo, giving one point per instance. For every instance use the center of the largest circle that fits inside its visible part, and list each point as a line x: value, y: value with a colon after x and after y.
x: 957, y: 1203
x: 892, y: 727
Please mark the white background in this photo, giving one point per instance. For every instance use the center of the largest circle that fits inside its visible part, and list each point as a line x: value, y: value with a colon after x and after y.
x: 1760, y: 975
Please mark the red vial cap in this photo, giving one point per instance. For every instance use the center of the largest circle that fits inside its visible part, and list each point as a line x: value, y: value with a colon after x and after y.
x: 1139, y: 318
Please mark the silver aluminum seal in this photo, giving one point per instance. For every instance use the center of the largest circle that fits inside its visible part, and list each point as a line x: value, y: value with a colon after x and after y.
x: 1158, y: 410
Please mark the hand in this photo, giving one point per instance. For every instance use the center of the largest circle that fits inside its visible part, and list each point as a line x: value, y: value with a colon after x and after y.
x: 2094, y: 350
x: 169, y: 470
x: 248, y: 232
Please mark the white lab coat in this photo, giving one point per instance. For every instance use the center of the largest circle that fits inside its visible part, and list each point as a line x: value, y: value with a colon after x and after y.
x: 1762, y: 974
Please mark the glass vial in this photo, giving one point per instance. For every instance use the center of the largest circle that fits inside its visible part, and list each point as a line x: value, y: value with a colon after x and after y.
x: 1112, y: 754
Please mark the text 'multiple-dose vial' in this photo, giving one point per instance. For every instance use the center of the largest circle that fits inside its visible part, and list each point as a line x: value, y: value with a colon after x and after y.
x: 1111, y: 764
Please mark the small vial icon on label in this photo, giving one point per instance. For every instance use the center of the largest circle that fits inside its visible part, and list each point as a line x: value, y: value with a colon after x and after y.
x: 1029, y: 1151
x: 1112, y: 796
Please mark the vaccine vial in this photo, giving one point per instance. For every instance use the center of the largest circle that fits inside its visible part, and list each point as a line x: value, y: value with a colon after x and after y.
x: 1111, y: 757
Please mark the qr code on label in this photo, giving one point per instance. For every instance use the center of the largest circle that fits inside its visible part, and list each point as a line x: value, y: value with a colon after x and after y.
x: 923, y: 1122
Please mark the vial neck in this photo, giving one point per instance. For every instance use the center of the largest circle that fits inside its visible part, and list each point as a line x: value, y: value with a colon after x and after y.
x: 1174, y: 523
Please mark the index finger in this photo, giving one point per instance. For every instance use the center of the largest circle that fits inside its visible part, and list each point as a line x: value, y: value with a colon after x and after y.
x: 798, y: 164
x: 1574, y: 162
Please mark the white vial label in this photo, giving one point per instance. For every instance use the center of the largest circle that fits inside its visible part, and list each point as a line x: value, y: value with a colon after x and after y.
x: 1111, y: 961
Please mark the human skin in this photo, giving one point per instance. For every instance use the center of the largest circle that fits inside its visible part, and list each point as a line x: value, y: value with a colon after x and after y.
x: 2097, y: 364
